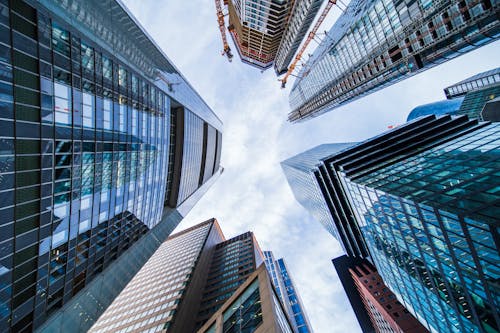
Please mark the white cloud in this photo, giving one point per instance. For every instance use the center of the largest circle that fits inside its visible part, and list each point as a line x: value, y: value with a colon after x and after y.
x: 252, y: 193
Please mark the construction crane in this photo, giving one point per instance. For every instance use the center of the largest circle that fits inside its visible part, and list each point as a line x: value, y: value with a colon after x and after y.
x: 220, y: 19
x: 310, y: 37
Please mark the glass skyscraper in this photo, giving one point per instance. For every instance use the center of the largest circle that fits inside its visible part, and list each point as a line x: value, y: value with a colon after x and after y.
x: 287, y: 292
x: 476, y: 97
x: 302, y: 172
x: 376, y: 43
x: 425, y: 197
x: 104, y: 148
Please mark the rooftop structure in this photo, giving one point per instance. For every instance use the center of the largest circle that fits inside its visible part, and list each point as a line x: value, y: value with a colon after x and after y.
x: 476, y: 97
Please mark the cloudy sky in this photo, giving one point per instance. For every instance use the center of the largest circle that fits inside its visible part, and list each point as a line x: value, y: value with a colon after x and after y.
x: 252, y: 193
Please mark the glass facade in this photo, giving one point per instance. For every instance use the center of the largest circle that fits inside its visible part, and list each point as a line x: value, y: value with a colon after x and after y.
x: 301, y: 17
x: 299, y: 174
x: 287, y: 293
x: 430, y: 217
x: 245, y: 313
x: 468, y: 97
x: 233, y: 261
x: 324, y: 199
x: 379, y: 42
x: 151, y: 299
x: 87, y: 151
x: 437, y: 108
x: 254, y: 307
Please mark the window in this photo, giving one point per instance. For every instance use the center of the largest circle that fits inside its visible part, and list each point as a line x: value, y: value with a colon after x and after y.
x: 107, y: 113
x: 87, y: 58
x: 62, y: 103
x: 123, y: 117
x: 107, y: 68
x: 88, y: 110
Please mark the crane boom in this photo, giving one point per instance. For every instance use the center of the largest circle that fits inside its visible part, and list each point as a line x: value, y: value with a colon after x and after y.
x: 222, y: 28
x: 307, y: 41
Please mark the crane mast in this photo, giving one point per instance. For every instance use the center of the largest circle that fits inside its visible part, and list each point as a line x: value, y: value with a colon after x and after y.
x: 220, y: 19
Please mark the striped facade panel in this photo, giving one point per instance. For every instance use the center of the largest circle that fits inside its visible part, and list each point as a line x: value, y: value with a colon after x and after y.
x: 192, y: 155
x: 211, y: 150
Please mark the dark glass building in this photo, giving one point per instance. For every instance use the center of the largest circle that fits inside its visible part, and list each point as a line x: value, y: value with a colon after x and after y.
x: 287, y: 292
x: 232, y: 263
x: 184, y: 283
x: 425, y: 198
x: 377, y: 43
x: 476, y: 97
x: 104, y: 147
x: 254, y: 307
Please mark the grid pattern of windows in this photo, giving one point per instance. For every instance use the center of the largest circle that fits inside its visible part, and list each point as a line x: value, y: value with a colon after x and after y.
x: 232, y: 262
x: 245, y: 313
x: 257, y: 28
x: 299, y: 21
x: 84, y: 152
x: 287, y: 292
x: 429, y: 220
x: 299, y: 174
x: 377, y: 43
x: 75, y: 187
x: 150, y: 300
x: 425, y: 199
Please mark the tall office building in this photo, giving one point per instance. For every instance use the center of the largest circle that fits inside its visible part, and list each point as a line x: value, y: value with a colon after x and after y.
x: 303, y: 174
x: 377, y: 302
x: 272, y: 30
x: 232, y: 263
x: 476, y: 97
x: 379, y: 42
x: 104, y: 148
x: 184, y: 283
x: 287, y: 292
x: 425, y: 198
x: 254, y: 307
x: 342, y: 265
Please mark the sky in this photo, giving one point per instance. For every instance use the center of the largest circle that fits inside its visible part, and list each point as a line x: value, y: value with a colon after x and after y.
x: 252, y: 194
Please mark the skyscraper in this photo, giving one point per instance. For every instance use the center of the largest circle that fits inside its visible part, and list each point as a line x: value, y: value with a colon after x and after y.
x: 425, y: 200
x: 265, y: 31
x: 342, y: 265
x: 304, y: 176
x: 104, y: 148
x: 185, y: 282
x: 476, y: 97
x: 378, y: 42
x: 232, y: 263
x: 287, y: 292
x: 253, y: 307
x: 386, y: 313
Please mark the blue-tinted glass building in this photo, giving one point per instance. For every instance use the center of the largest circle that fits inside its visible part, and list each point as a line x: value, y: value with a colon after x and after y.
x: 425, y: 197
x: 376, y: 43
x: 302, y: 172
x: 104, y: 147
x: 476, y: 97
x: 287, y: 292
